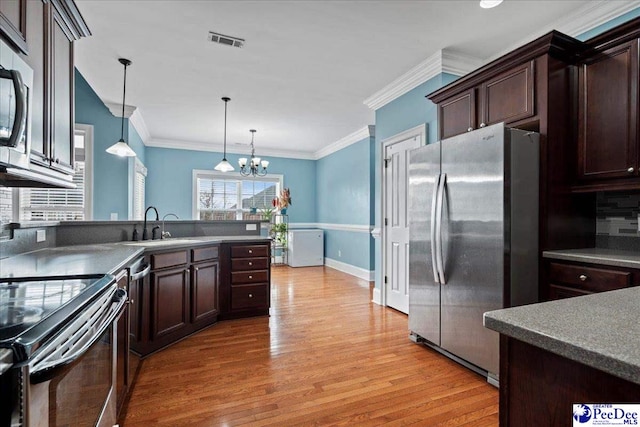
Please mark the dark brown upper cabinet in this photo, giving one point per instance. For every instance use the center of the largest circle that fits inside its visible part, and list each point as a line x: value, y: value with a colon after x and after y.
x: 13, y: 23
x: 507, y: 97
x: 52, y: 26
x: 608, y: 114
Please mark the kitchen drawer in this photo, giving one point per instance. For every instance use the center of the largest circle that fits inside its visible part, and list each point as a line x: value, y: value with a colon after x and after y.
x: 249, y: 251
x: 249, y: 296
x: 241, y: 264
x: 561, y: 292
x: 168, y: 259
x: 588, y: 278
x: 253, y: 276
x: 204, y: 254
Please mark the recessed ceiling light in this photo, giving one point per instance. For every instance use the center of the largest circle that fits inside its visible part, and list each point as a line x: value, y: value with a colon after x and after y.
x: 488, y: 4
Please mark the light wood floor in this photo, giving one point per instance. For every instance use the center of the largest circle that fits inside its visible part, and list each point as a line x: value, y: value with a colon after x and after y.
x: 326, y: 356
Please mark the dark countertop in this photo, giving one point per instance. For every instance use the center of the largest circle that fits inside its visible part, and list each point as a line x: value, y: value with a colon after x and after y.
x: 600, y: 330
x: 105, y: 258
x: 613, y: 257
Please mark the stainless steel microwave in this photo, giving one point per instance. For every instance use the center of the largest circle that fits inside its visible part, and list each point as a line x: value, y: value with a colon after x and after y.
x: 16, y: 83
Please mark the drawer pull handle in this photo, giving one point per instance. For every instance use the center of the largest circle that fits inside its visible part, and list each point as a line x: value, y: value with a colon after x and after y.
x: 250, y: 251
x: 582, y: 277
x: 250, y: 295
x: 250, y: 263
x: 630, y: 170
x: 250, y: 277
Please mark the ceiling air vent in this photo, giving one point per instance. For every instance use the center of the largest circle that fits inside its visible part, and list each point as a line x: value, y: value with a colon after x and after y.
x: 225, y: 40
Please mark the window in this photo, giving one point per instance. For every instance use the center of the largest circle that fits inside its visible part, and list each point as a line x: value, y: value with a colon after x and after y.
x: 6, y: 205
x: 220, y: 196
x: 139, y: 173
x: 43, y: 204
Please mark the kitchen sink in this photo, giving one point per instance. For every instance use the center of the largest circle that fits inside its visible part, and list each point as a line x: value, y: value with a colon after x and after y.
x: 162, y: 242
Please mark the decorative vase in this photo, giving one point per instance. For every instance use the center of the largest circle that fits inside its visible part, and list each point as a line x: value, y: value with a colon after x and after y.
x: 283, y: 211
x: 253, y: 210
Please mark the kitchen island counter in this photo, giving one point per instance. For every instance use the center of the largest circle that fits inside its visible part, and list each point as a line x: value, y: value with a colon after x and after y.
x: 600, y: 330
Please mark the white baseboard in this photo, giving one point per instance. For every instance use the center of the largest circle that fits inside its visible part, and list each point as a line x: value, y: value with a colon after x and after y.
x: 360, y: 273
x: 377, y: 296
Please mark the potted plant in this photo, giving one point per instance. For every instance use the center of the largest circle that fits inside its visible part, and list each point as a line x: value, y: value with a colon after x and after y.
x: 279, y: 232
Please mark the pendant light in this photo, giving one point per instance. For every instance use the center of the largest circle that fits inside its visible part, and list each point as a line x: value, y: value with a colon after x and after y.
x: 224, y: 165
x: 121, y: 148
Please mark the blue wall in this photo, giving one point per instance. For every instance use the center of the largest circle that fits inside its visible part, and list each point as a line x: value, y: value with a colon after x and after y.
x: 110, y: 173
x: 170, y: 180
x: 344, y: 183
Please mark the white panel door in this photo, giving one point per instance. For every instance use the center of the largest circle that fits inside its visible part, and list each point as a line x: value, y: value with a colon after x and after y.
x: 396, y: 222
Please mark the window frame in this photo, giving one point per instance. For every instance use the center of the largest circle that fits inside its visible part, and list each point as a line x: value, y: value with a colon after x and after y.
x: 200, y: 173
x: 136, y: 167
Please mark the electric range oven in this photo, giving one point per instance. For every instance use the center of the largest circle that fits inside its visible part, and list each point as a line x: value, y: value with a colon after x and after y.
x: 58, y: 351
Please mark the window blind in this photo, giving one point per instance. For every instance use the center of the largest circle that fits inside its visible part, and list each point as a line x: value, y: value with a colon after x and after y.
x: 139, y: 190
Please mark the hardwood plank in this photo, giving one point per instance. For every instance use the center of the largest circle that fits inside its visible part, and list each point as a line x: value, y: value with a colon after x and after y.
x: 325, y: 356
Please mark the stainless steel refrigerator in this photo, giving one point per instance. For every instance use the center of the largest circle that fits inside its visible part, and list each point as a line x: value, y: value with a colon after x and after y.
x: 473, y: 218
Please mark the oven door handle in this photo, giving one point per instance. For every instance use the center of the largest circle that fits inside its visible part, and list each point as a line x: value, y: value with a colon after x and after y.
x: 47, y: 367
x: 141, y: 274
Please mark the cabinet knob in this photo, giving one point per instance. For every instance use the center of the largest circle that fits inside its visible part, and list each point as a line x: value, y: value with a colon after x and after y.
x: 196, y: 268
x: 131, y: 301
x: 482, y: 125
x: 582, y: 277
x: 250, y: 295
x: 57, y: 160
x: 250, y: 277
x: 250, y: 251
x: 469, y: 129
x: 250, y: 263
x: 630, y: 170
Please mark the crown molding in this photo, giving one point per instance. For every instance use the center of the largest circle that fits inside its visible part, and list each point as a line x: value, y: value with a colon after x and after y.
x: 116, y: 109
x: 357, y: 136
x: 592, y: 15
x: 137, y: 121
x: 218, y: 148
x: 444, y: 60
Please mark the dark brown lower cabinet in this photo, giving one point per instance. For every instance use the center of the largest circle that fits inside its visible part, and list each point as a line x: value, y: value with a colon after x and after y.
x: 178, y: 298
x: 539, y: 388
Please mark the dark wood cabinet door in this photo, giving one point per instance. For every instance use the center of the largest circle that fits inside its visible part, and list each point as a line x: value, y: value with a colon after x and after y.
x: 13, y: 23
x: 509, y: 96
x: 562, y: 292
x: 37, y: 40
x: 458, y: 114
x: 62, y: 102
x: 169, y: 302
x: 204, y: 291
x: 608, y: 114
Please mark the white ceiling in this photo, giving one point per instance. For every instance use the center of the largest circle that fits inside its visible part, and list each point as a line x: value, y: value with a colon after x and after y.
x: 306, y: 67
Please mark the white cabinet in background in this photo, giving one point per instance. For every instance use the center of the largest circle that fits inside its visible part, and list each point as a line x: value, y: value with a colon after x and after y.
x: 306, y: 248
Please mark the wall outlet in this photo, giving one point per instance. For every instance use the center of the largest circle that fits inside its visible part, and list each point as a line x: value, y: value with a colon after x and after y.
x: 339, y: 253
x: 114, y: 216
x: 251, y: 227
x: 41, y: 236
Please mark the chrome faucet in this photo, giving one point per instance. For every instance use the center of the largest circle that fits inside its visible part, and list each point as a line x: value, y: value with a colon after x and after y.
x: 166, y: 234
x: 145, y: 235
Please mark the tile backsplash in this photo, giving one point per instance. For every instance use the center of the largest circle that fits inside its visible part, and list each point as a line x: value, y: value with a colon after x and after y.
x: 617, y: 214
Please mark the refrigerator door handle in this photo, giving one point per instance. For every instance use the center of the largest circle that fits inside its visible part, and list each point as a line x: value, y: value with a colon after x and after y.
x: 438, y: 232
x: 436, y: 187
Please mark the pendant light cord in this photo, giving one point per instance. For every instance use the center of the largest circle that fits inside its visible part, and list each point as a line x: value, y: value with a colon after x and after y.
x: 124, y: 93
x: 224, y: 157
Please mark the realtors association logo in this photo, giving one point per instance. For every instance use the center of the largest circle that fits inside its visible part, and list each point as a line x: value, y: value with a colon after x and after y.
x: 581, y: 413
x: 605, y: 414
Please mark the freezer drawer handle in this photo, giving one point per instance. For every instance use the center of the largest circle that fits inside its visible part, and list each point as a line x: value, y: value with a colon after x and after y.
x: 439, y: 208
x: 582, y: 277
x: 433, y: 228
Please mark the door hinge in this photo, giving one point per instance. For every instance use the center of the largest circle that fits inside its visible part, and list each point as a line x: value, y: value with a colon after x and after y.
x: 386, y: 221
x: 385, y: 280
x: 386, y: 162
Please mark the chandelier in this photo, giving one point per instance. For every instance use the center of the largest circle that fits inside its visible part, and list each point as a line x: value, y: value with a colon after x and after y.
x: 256, y: 166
